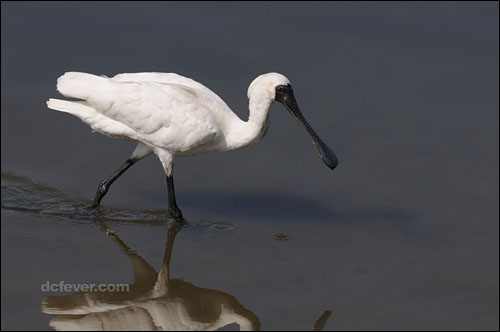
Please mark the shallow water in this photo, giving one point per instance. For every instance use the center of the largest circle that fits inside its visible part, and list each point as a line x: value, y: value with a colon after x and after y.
x: 402, y: 235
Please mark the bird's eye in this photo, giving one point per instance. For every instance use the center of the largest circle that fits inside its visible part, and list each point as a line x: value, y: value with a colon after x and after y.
x: 279, y: 89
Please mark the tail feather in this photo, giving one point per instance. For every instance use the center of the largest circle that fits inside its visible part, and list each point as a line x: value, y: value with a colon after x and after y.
x: 79, y: 85
x: 80, y: 109
x: 94, y: 119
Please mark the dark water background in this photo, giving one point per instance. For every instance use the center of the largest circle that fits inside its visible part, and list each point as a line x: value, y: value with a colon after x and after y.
x: 402, y: 235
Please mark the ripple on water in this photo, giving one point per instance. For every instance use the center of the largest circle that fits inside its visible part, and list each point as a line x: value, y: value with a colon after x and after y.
x: 25, y: 194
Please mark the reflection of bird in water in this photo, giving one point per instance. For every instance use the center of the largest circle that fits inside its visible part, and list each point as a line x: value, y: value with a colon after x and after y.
x: 154, y: 302
x: 137, y: 309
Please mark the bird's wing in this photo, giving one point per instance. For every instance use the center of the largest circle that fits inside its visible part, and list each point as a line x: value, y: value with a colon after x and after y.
x: 210, y: 97
x: 158, y: 78
x: 168, y: 116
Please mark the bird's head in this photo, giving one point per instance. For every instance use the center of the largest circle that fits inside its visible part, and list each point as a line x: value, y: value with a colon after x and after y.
x: 276, y: 87
x: 265, y: 85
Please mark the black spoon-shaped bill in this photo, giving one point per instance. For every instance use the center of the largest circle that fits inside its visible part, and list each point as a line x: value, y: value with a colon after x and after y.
x: 285, y: 96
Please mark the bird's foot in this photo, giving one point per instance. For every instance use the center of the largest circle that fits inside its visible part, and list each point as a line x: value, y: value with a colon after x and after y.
x: 176, y: 214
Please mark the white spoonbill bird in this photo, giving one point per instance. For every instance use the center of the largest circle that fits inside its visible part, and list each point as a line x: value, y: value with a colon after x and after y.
x: 172, y: 115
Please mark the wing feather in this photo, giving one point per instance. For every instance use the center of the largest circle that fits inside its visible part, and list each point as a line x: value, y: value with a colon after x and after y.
x: 168, y: 116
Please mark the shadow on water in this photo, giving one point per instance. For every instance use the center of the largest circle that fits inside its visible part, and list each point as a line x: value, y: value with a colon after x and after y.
x: 287, y: 206
x: 29, y: 195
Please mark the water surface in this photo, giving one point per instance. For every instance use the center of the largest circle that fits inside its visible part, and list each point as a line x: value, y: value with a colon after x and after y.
x: 402, y: 235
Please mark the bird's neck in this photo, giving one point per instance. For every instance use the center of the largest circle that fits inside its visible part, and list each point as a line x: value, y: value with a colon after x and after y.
x: 251, y: 132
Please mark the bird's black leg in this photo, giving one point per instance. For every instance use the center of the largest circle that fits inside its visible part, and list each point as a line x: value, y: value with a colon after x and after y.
x: 105, y: 184
x: 173, y: 209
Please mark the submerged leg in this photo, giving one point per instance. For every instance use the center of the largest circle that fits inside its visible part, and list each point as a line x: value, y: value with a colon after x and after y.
x: 167, y: 160
x: 140, y: 152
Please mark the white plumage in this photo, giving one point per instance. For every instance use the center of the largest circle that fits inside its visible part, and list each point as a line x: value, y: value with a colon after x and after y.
x: 172, y: 115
